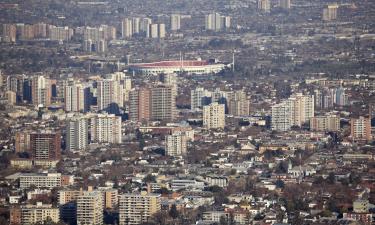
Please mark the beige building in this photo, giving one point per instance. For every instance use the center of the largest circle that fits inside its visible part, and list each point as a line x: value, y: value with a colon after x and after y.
x: 238, y: 104
x: 264, y: 5
x: 32, y: 214
x: 110, y: 198
x: 176, y: 144
x: 214, y: 116
x: 11, y: 97
x: 325, y: 123
x: 330, y: 12
x: 90, y: 208
x: 137, y: 208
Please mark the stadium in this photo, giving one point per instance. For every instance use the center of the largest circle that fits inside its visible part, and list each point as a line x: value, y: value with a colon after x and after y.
x: 189, y: 67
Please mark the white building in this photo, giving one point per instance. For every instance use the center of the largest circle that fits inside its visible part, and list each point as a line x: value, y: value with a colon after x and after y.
x: 216, y: 22
x: 199, y: 97
x: 110, y: 94
x: 75, y: 98
x: 77, y: 133
x: 126, y: 28
x: 175, y: 22
x: 295, y: 111
x: 175, y: 144
x: 40, y: 180
x: 106, y: 128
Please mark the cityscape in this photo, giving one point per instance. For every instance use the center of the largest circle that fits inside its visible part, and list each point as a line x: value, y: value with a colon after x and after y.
x: 187, y: 112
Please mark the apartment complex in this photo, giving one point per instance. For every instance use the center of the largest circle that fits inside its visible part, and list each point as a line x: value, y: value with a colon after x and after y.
x: 217, y: 22
x: 40, y: 180
x: 155, y: 103
x: 106, y: 128
x: 176, y: 144
x: 31, y: 214
x: 77, y: 133
x: 294, y: 111
x: 360, y: 129
x: 138, y: 208
x: 214, y: 116
x: 90, y: 208
x: 325, y: 123
x: 45, y: 145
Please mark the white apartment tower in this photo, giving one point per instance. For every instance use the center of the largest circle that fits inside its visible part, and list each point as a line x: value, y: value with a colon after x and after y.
x: 90, y: 208
x: 175, y: 22
x: 127, y: 28
x: 214, y: 116
x: 77, y: 133
x: 75, y: 98
x: 330, y: 12
x: 176, y: 144
x: 264, y: 5
x: 198, y: 98
x: 295, y: 111
x: 106, y: 128
x: 110, y: 93
x: 137, y: 208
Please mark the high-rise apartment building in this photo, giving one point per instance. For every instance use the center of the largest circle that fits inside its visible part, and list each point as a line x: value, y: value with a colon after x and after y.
x: 9, y: 33
x: 175, y: 22
x: 154, y: 31
x: 77, y: 133
x: 163, y: 103
x: 304, y: 108
x: 41, y: 91
x: 135, y: 25
x: 45, y: 145
x: 22, y: 142
x: 90, y: 208
x: 176, y: 144
x: 216, y: 22
x: 282, y: 115
x: 214, y: 116
x: 295, y: 111
x: 137, y: 208
x: 76, y: 98
x: 106, y: 128
x: 330, y: 12
x: 110, y: 95
x: 153, y: 103
x: 40, y: 30
x: 284, y: 4
x: 145, y: 25
x: 325, y: 123
x: 161, y: 30
x: 60, y: 33
x: 127, y: 28
x: 26, y: 31
x: 199, y: 97
x: 140, y: 105
x: 361, y: 129
x: 264, y: 5
x: 238, y: 104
